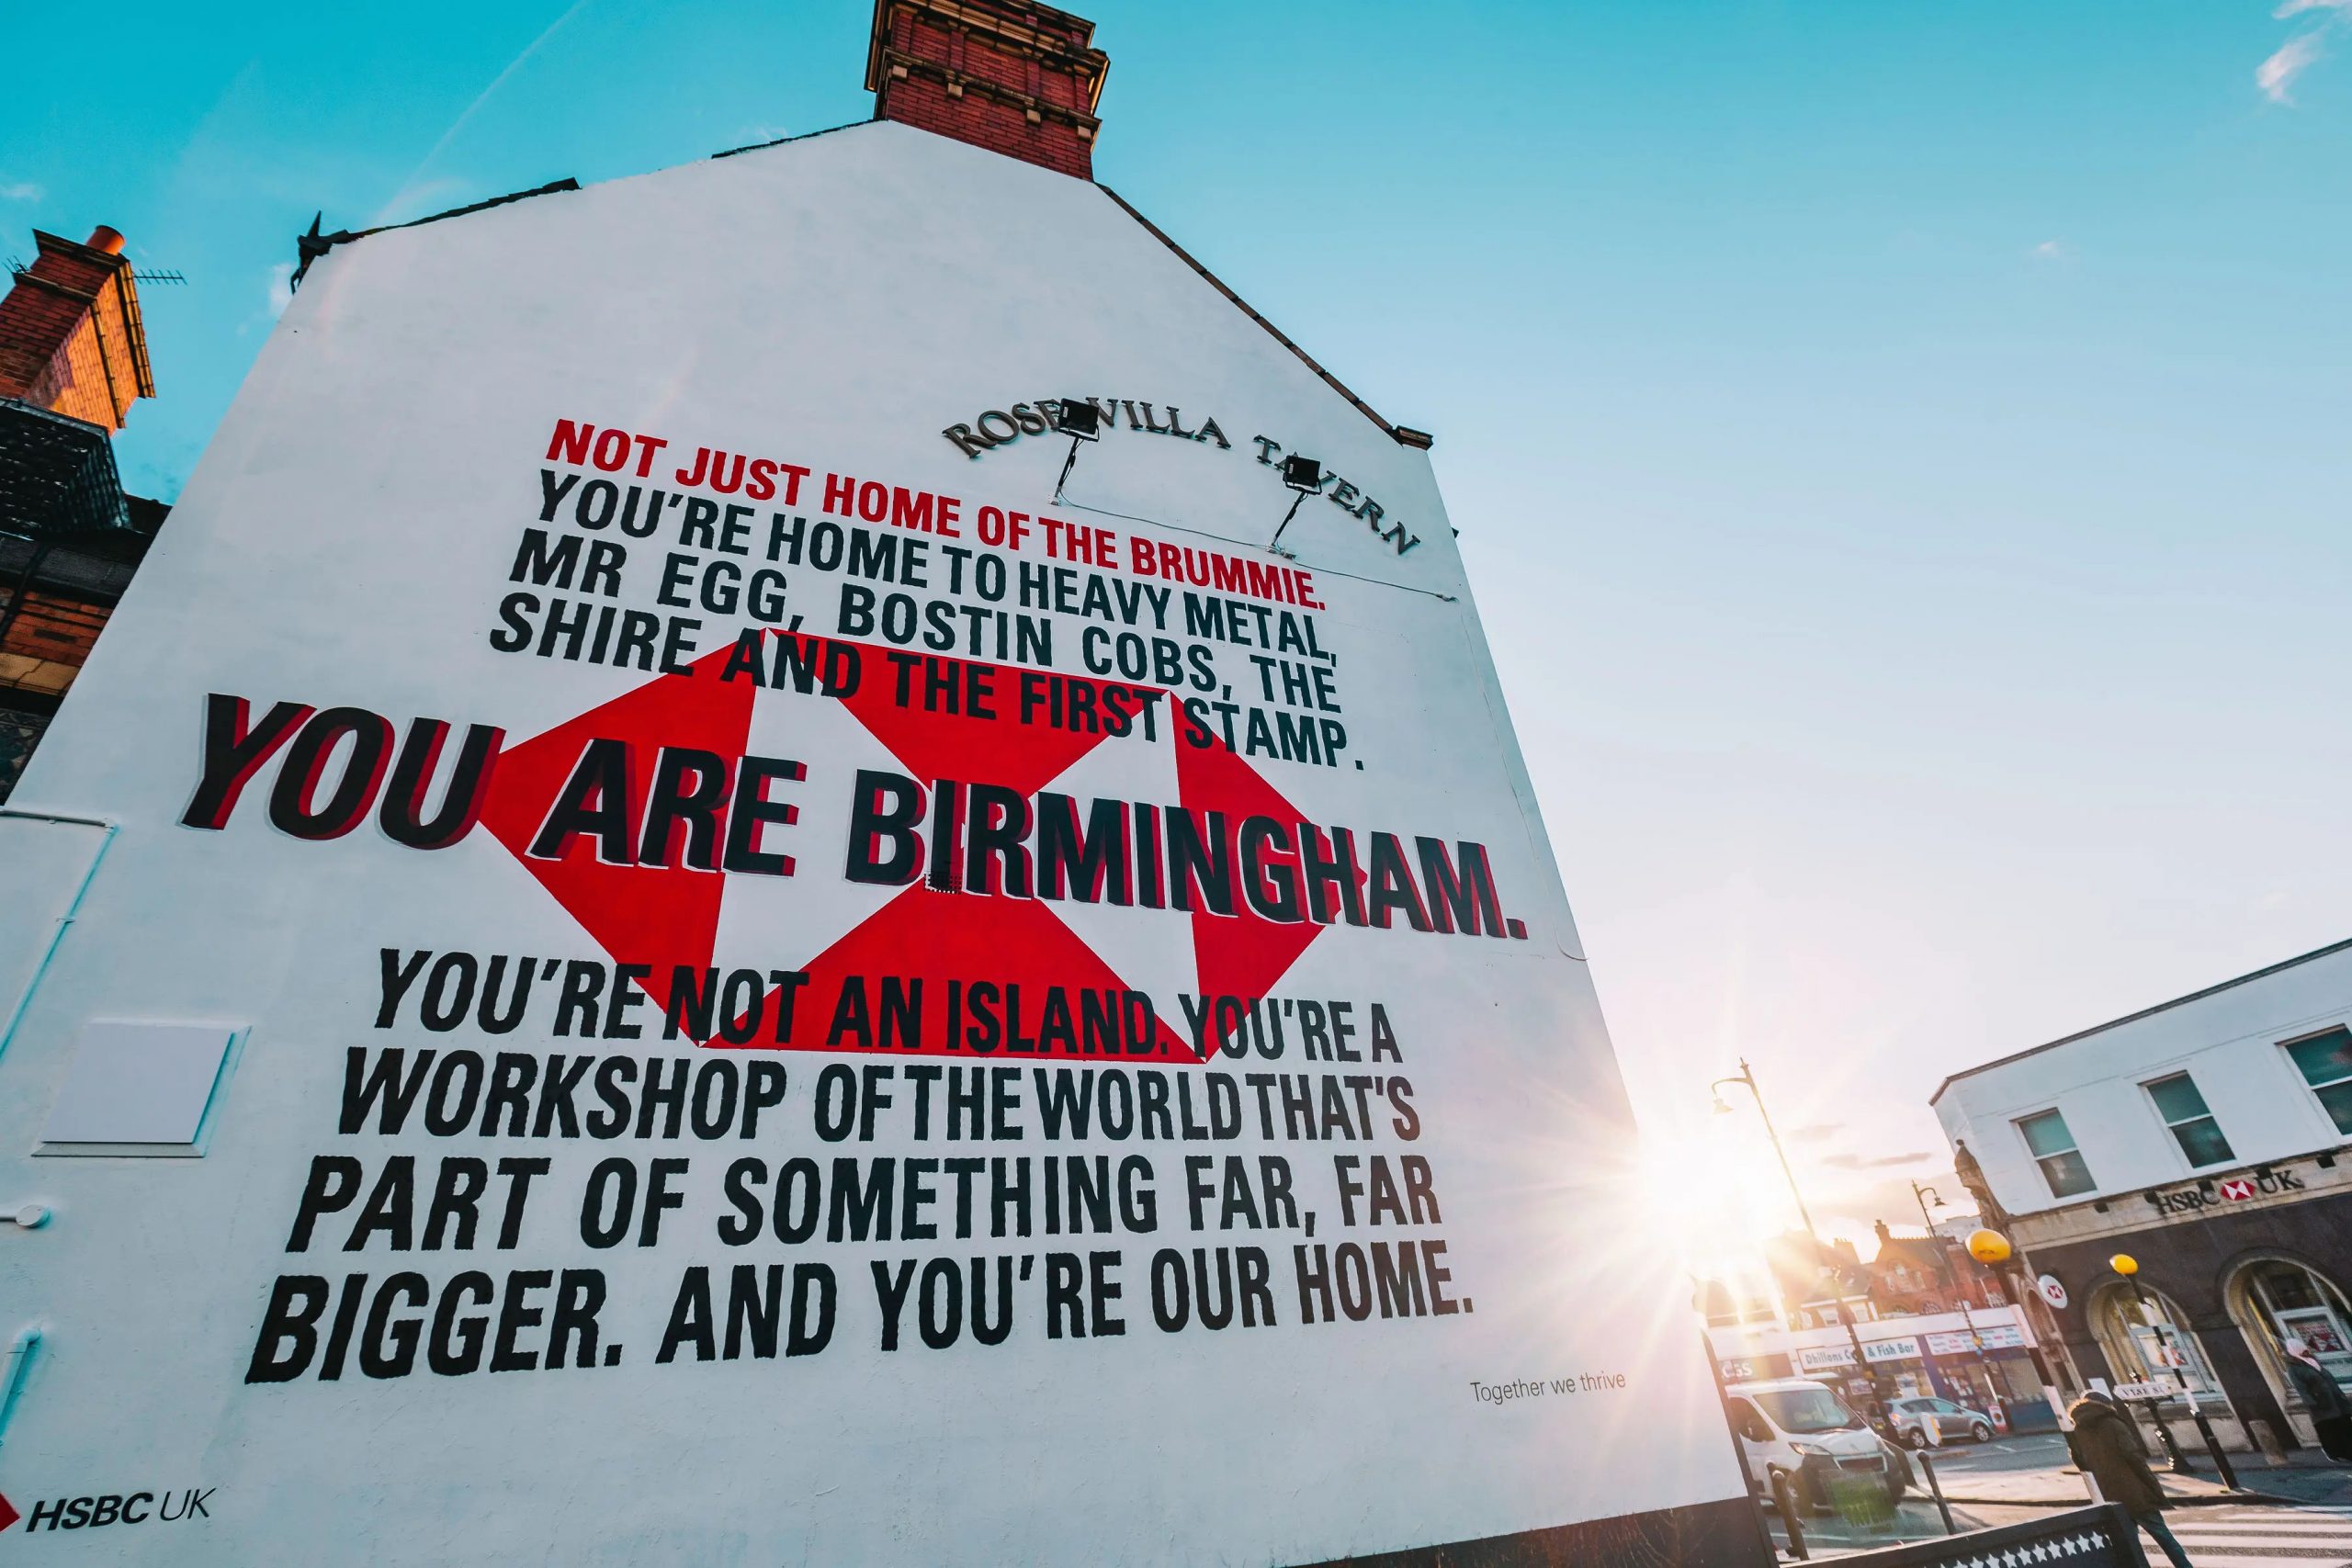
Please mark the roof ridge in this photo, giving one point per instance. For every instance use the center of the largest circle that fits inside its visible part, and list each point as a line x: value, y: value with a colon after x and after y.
x: 1404, y: 436
x: 1952, y: 1078
x: 314, y: 245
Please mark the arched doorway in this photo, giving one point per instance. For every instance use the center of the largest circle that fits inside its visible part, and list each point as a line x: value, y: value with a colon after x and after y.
x: 2272, y: 1298
x: 2142, y: 1333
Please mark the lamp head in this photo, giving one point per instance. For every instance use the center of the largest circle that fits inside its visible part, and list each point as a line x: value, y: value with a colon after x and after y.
x: 1721, y: 1109
x: 2124, y: 1264
x: 1081, y: 420
x: 1303, y: 473
x: 1988, y: 1247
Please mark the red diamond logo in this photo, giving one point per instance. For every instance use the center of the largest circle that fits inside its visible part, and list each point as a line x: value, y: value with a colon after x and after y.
x: 8, y: 1516
x: 671, y: 917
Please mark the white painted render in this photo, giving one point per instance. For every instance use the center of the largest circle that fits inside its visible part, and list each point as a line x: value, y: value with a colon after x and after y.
x: 346, y: 539
x: 2229, y: 1041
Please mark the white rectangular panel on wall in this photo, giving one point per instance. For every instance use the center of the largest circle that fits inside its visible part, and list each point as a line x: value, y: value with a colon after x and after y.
x: 137, y: 1087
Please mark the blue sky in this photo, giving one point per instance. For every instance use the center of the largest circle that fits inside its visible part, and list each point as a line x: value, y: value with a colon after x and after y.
x: 1901, y: 450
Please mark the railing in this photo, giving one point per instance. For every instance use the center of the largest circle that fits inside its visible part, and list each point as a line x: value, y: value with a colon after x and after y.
x: 2100, y: 1536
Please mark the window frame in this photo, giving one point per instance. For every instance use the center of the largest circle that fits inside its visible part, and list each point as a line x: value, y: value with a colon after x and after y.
x: 1745, y: 1418
x: 2287, y: 1049
x: 2148, y: 1088
x: 2073, y: 1147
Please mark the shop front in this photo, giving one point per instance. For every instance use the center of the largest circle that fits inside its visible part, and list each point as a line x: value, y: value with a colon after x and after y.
x: 1982, y: 1360
x: 2228, y: 1273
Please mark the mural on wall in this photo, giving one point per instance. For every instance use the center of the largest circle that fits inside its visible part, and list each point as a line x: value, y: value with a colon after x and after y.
x: 746, y: 932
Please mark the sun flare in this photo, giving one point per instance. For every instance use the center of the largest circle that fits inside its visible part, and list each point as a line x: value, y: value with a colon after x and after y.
x: 1711, y: 1201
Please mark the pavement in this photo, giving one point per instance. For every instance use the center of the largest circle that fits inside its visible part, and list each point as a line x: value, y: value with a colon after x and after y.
x: 2289, y: 1515
x: 2034, y: 1472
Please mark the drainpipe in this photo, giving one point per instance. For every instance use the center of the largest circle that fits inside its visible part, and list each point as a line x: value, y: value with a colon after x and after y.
x: 56, y: 935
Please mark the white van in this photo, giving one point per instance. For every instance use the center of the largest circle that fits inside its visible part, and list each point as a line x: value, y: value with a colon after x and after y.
x: 1801, y: 1429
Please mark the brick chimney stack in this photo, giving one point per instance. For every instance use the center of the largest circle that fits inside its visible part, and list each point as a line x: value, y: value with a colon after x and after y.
x: 1016, y: 78
x: 71, y: 337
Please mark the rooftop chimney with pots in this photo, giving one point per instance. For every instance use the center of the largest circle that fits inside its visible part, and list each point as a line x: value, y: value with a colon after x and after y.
x: 71, y: 338
x: 1015, y: 78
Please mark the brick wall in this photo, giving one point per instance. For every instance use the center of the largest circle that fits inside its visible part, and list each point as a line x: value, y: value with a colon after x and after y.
x: 70, y: 336
x: 1018, y: 79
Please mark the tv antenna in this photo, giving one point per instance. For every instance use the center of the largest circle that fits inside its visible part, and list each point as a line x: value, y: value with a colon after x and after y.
x: 162, y: 274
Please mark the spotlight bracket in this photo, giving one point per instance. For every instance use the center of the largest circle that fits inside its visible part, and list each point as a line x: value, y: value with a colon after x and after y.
x: 1305, y: 476
x: 1080, y: 422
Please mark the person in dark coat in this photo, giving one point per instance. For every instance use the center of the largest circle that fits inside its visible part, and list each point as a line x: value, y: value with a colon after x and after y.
x: 2106, y: 1445
x: 2330, y: 1411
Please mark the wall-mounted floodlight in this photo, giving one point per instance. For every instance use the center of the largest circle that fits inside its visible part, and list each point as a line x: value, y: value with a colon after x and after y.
x: 1082, y: 421
x: 1304, y: 474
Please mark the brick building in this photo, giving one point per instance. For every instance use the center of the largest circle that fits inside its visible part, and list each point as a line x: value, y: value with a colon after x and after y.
x: 72, y: 361
x: 2204, y: 1138
x: 1917, y: 1275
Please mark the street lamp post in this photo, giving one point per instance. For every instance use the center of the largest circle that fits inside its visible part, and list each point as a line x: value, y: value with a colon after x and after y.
x: 1920, y: 1194
x: 2123, y: 1263
x: 1747, y: 1075
x: 2126, y: 1265
x: 1991, y: 1249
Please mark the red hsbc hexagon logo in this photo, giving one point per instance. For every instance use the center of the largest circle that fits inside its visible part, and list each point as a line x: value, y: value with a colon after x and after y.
x: 2237, y: 1189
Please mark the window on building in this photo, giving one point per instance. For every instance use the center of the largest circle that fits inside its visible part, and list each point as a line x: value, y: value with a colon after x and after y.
x: 2141, y: 1332
x: 1748, y: 1423
x: 2053, y: 1150
x: 2296, y: 1303
x: 2193, y: 1128
x: 2325, y: 1062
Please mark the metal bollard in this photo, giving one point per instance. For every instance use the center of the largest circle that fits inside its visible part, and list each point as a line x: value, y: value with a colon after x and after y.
x: 2212, y: 1445
x: 1937, y: 1488
x: 1783, y: 1495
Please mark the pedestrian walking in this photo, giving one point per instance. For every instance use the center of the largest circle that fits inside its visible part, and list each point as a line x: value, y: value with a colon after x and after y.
x: 2106, y: 1445
x: 2330, y: 1411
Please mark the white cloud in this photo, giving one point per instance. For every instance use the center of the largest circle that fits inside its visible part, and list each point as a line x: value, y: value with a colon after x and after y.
x: 2051, y: 250
x: 2276, y: 76
x: 24, y: 190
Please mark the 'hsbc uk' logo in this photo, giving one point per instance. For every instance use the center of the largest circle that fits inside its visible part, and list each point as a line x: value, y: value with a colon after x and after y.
x: 2262, y: 1181
x: 111, y: 1508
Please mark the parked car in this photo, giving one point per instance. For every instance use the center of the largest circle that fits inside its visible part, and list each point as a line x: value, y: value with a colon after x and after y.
x: 1799, y: 1429
x: 1955, y: 1423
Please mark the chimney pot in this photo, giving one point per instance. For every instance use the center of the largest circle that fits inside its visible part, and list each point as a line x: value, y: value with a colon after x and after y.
x: 102, y: 238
